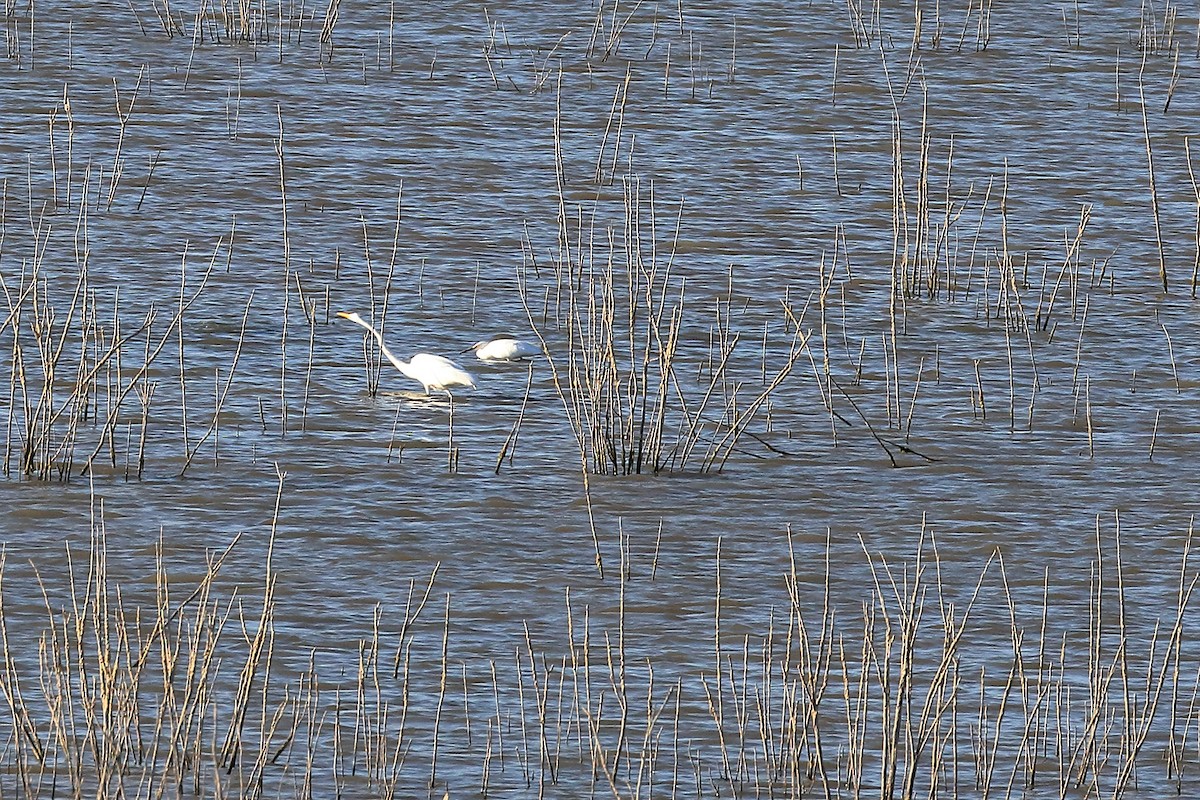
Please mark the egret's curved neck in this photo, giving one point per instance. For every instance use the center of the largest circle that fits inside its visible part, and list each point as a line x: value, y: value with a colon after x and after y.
x: 400, y: 364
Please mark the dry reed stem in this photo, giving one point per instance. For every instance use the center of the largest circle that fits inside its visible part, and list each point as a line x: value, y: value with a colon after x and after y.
x: 123, y: 117
x: 223, y: 393
x: 1158, y: 236
x: 1154, y: 434
x: 510, y: 442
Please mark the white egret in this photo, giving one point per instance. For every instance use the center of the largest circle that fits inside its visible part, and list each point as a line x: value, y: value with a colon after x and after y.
x: 504, y: 348
x: 432, y: 371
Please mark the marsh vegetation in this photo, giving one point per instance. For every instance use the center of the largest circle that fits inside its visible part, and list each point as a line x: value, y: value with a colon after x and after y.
x: 858, y: 462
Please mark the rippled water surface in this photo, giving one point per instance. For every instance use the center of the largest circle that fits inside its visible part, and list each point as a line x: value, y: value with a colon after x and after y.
x: 988, y: 387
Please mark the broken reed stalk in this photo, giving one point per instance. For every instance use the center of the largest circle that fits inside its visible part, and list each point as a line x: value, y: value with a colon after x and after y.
x: 979, y: 389
x: 153, y: 164
x: 1154, y: 434
x: 1171, y: 356
x: 1087, y: 404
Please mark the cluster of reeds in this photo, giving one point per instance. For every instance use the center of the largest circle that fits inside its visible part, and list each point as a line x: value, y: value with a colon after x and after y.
x: 622, y: 312
x: 231, y: 21
x: 868, y: 29
x: 936, y: 254
x: 913, y: 685
x: 82, y: 379
x: 926, y: 690
x: 906, y: 708
x: 69, y: 367
x: 1159, y: 34
x: 614, y: 315
x: 181, y: 692
x: 86, y: 386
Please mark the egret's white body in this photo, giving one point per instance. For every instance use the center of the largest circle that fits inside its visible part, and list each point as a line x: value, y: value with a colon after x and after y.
x: 432, y: 371
x: 504, y: 348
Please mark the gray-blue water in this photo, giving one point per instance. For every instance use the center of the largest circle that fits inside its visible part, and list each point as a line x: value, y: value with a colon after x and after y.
x: 429, y: 154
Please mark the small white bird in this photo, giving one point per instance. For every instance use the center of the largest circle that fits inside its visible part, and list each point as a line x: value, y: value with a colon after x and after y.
x: 432, y: 371
x: 504, y: 348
